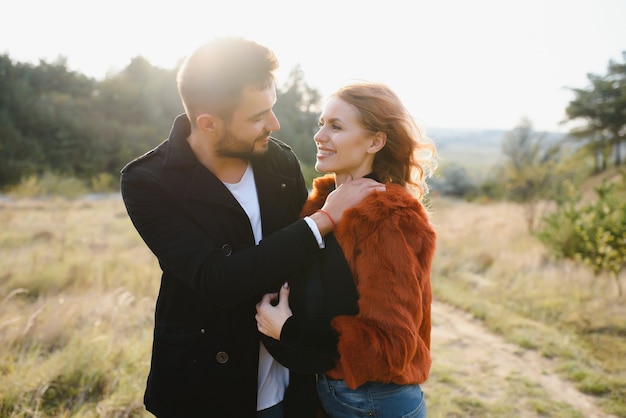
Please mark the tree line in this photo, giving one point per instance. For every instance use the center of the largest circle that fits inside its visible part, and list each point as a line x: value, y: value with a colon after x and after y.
x: 53, y: 120
x: 60, y: 121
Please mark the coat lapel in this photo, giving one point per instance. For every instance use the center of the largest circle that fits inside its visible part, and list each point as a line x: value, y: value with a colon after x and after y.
x: 271, y: 190
x: 204, y: 185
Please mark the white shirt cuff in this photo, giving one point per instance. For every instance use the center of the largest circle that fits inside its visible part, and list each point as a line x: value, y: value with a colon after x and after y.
x: 316, y: 231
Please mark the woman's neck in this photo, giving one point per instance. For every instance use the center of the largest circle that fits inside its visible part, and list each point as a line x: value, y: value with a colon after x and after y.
x: 343, y: 177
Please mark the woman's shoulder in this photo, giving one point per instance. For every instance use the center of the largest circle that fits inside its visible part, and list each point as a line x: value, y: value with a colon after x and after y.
x: 395, y: 202
x: 322, y: 186
x: 392, y: 211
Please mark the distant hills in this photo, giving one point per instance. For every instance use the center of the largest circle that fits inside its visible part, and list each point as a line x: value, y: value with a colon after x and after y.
x: 477, y: 150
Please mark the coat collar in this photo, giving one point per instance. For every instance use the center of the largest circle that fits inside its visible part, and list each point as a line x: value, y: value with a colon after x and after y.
x: 203, y: 184
x: 179, y: 153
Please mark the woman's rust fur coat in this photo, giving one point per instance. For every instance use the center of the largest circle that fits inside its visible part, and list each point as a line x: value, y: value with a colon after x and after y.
x: 389, y: 244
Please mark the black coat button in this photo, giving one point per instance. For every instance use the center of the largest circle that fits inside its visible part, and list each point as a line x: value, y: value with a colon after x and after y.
x: 221, y: 357
x: 227, y: 250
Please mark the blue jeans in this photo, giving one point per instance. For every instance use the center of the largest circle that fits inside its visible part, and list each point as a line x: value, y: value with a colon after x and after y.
x: 372, y: 399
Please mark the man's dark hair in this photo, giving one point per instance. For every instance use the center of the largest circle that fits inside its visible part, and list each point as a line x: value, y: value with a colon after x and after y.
x: 212, y: 78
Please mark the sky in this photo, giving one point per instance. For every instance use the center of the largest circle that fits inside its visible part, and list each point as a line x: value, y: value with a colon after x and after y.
x: 470, y: 64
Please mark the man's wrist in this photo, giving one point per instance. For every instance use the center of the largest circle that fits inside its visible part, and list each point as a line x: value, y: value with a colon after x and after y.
x: 316, y: 231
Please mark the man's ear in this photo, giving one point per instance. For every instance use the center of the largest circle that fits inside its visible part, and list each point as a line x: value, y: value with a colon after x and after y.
x: 208, y: 122
x: 378, y: 142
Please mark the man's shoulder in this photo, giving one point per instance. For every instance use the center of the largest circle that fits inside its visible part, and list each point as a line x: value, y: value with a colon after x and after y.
x: 145, y: 159
x: 281, y: 145
x: 280, y: 151
x: 279, y: 160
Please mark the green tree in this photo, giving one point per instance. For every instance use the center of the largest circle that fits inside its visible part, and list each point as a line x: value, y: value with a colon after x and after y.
x: 42, y: 115
x: 530, y: 168
x: 602, y: 109
x: 134, y: 111
x: 298, y: 109
x: 16, y: 151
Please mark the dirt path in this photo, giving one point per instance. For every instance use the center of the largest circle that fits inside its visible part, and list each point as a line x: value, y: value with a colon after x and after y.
x: 477, y: 352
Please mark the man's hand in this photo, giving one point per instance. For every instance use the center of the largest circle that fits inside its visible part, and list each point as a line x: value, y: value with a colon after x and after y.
x: 271, y: 318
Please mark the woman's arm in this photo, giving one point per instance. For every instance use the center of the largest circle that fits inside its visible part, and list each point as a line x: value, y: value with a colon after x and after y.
x: 392, y: 264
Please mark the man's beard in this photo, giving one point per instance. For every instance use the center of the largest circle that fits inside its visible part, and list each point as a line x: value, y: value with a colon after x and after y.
x: 229, y: 146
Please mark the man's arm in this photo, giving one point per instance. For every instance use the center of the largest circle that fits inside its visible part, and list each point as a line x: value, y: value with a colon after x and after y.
x: 190, y: 253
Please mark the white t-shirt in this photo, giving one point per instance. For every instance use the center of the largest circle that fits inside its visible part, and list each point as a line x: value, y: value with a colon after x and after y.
x: 273, y: 378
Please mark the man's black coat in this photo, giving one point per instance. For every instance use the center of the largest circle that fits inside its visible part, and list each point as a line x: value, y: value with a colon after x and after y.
x: 206, y: 344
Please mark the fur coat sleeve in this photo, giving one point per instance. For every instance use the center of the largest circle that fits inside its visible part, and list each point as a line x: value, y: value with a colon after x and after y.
x: 389, y: 244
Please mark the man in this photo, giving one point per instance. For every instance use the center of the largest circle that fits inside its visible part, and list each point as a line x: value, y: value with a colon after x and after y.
x: 218, y: 203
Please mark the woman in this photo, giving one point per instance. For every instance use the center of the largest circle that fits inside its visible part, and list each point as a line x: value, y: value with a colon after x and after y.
x: 360, y: 322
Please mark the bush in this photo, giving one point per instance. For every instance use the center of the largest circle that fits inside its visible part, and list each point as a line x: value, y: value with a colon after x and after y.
x: 49, y: 184
x: 453, y: 180
x: 593, y: 233
x: 104, y: 182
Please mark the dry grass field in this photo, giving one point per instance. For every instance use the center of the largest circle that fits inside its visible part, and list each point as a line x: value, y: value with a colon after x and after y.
x: 515, y: 334
x: 564, y: 330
